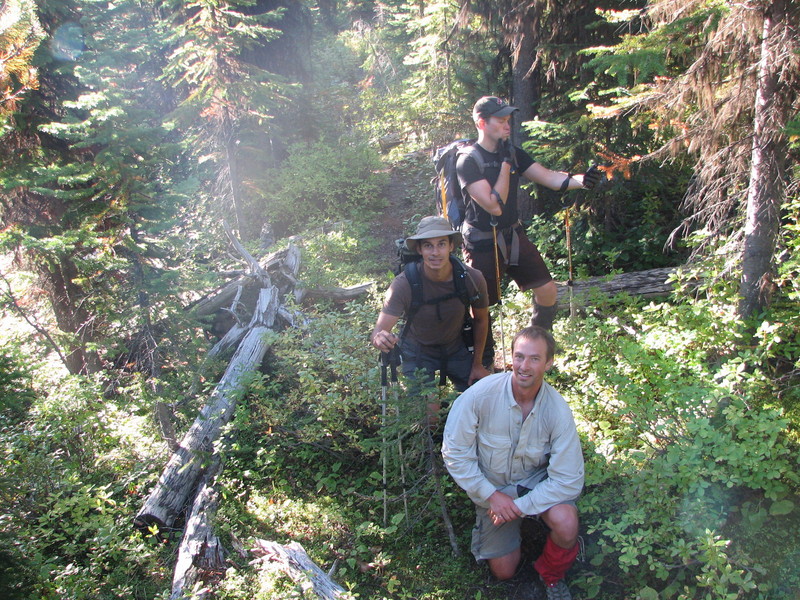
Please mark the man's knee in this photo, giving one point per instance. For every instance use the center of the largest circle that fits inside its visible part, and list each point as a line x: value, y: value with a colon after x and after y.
x: 562, y: 519
x: 505, y: 567
x: 546, y: 295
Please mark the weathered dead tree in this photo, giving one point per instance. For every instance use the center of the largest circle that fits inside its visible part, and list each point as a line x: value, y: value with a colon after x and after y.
x: 254, y: 301
x: 187, y: 465
x: 648, y: 284
x: 279, y: 268
x: 201, y: 556
x: 292, y: 560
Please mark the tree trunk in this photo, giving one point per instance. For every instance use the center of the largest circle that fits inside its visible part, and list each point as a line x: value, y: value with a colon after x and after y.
x: 523, y: 83
x: 524, y: 94
x: 181, y: 475
x: 200, y: 555
x: 292, y: 560
x: 72, y: 318
x: 647, y: 284
x: 766, y: 175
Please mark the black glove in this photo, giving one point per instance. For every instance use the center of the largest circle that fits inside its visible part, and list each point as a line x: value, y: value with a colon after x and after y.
x: 506, y: 150
x: 592, y: 177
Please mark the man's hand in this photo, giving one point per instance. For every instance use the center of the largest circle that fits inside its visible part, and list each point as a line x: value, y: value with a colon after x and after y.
x: 383, y: 340
x: 477, y: 372
x: 506, y: 150
x: 502, y: 508
x: 592, y: 177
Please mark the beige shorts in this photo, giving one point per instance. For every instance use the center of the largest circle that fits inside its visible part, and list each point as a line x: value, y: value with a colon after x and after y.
x: 493, y: 541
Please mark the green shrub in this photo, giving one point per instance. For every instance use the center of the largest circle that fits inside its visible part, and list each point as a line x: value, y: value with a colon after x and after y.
x: 686, y: 462
x: 326, y: 181
x: 16, y: 391
x: 72, y: 471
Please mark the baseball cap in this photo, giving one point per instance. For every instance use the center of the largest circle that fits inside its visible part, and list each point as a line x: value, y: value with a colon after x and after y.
x: 492, y: 106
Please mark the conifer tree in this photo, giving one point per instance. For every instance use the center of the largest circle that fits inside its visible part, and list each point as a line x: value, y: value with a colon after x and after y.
x: 90, y: 183
x: 722, y: 82
x: 227, y: 100
x: 20, y: 35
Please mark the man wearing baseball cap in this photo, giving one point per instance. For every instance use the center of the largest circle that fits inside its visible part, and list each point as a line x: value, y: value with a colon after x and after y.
x: 433, y: 340
x: 491, y: 208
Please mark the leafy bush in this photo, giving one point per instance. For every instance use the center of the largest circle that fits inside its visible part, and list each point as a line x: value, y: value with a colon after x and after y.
x: 16, y: 392
x: 72, y: 469
x: 687, y: 463
x: 326, y: 181
x: 340, y: 256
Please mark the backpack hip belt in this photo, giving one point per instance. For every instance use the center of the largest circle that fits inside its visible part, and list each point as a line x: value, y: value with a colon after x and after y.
x: 510, y: 255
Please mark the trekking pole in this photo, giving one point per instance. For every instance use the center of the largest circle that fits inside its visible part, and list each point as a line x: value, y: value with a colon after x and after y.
x: 493, y: 223
x: 394, y: 361
x: 384, y: 361
x: 390, y: 360
x: 403, y: 475
x: 570, y: 282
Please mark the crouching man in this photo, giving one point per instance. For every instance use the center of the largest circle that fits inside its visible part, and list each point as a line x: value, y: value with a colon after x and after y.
x: 510, y: 442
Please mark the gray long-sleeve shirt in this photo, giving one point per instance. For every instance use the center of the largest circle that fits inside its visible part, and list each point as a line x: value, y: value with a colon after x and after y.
x: 487, y: 446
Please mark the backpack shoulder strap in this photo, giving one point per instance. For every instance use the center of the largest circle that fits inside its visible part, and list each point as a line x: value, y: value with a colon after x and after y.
x: 460, y: 276
x: 472, y: 151
x: 414, y: 278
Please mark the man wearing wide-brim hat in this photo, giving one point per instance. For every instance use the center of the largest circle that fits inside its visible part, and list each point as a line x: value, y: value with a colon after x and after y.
x: 433, y: 339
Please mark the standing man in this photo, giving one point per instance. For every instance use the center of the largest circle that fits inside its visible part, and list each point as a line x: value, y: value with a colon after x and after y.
x: 510, y: 442
x: 432, y: 339
x: 493, y: 210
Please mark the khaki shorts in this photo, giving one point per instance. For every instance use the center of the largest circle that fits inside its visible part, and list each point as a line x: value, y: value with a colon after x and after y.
x: 494, y: 541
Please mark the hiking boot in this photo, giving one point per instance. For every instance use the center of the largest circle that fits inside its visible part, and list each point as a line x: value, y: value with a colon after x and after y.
x: 558, y: 591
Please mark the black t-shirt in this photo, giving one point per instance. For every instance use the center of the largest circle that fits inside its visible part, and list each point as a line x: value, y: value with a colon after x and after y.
x: 468, y: 173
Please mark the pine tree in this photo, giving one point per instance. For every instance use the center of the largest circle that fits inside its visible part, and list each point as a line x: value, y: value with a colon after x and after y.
x: 227, y: 100
x: 721, y: 81
x: 90, y: 184
x: 20, y: 35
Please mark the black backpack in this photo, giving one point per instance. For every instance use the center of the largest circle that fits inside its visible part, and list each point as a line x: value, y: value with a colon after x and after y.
x: 404, y: 256
x: 448, y: 197
x: 460, y: 291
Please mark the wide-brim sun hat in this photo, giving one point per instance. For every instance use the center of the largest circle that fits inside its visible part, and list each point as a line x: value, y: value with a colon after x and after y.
x: 432, y: 227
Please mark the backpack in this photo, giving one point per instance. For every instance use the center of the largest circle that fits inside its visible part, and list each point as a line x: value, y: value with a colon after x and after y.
x: 448, y: 196
x: 460, y: 291
x: 404, y: 256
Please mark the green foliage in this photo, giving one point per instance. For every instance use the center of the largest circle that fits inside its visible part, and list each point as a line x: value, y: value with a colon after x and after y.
x: 690, y: 435
x: 608, y: 235
x: 21, y: 35
x: 89, y: 206
x: 622, y: 225
x: 72, y: 469
x: 16, y: 392
x: 690, y: 463
x: 326, y: 181
x: 344, y: 255
x: 658, y: 52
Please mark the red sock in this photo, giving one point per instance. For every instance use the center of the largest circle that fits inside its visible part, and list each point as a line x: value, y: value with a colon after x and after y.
x: 554, y: 562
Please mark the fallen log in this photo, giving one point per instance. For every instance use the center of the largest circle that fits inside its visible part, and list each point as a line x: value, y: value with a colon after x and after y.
x: 201, y: 556
x: 272, y: 263
x: 194, y: 463
x: 647, y: 284
x: 292, y: 560
x: 337, y: 294
x: 187, y: 465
